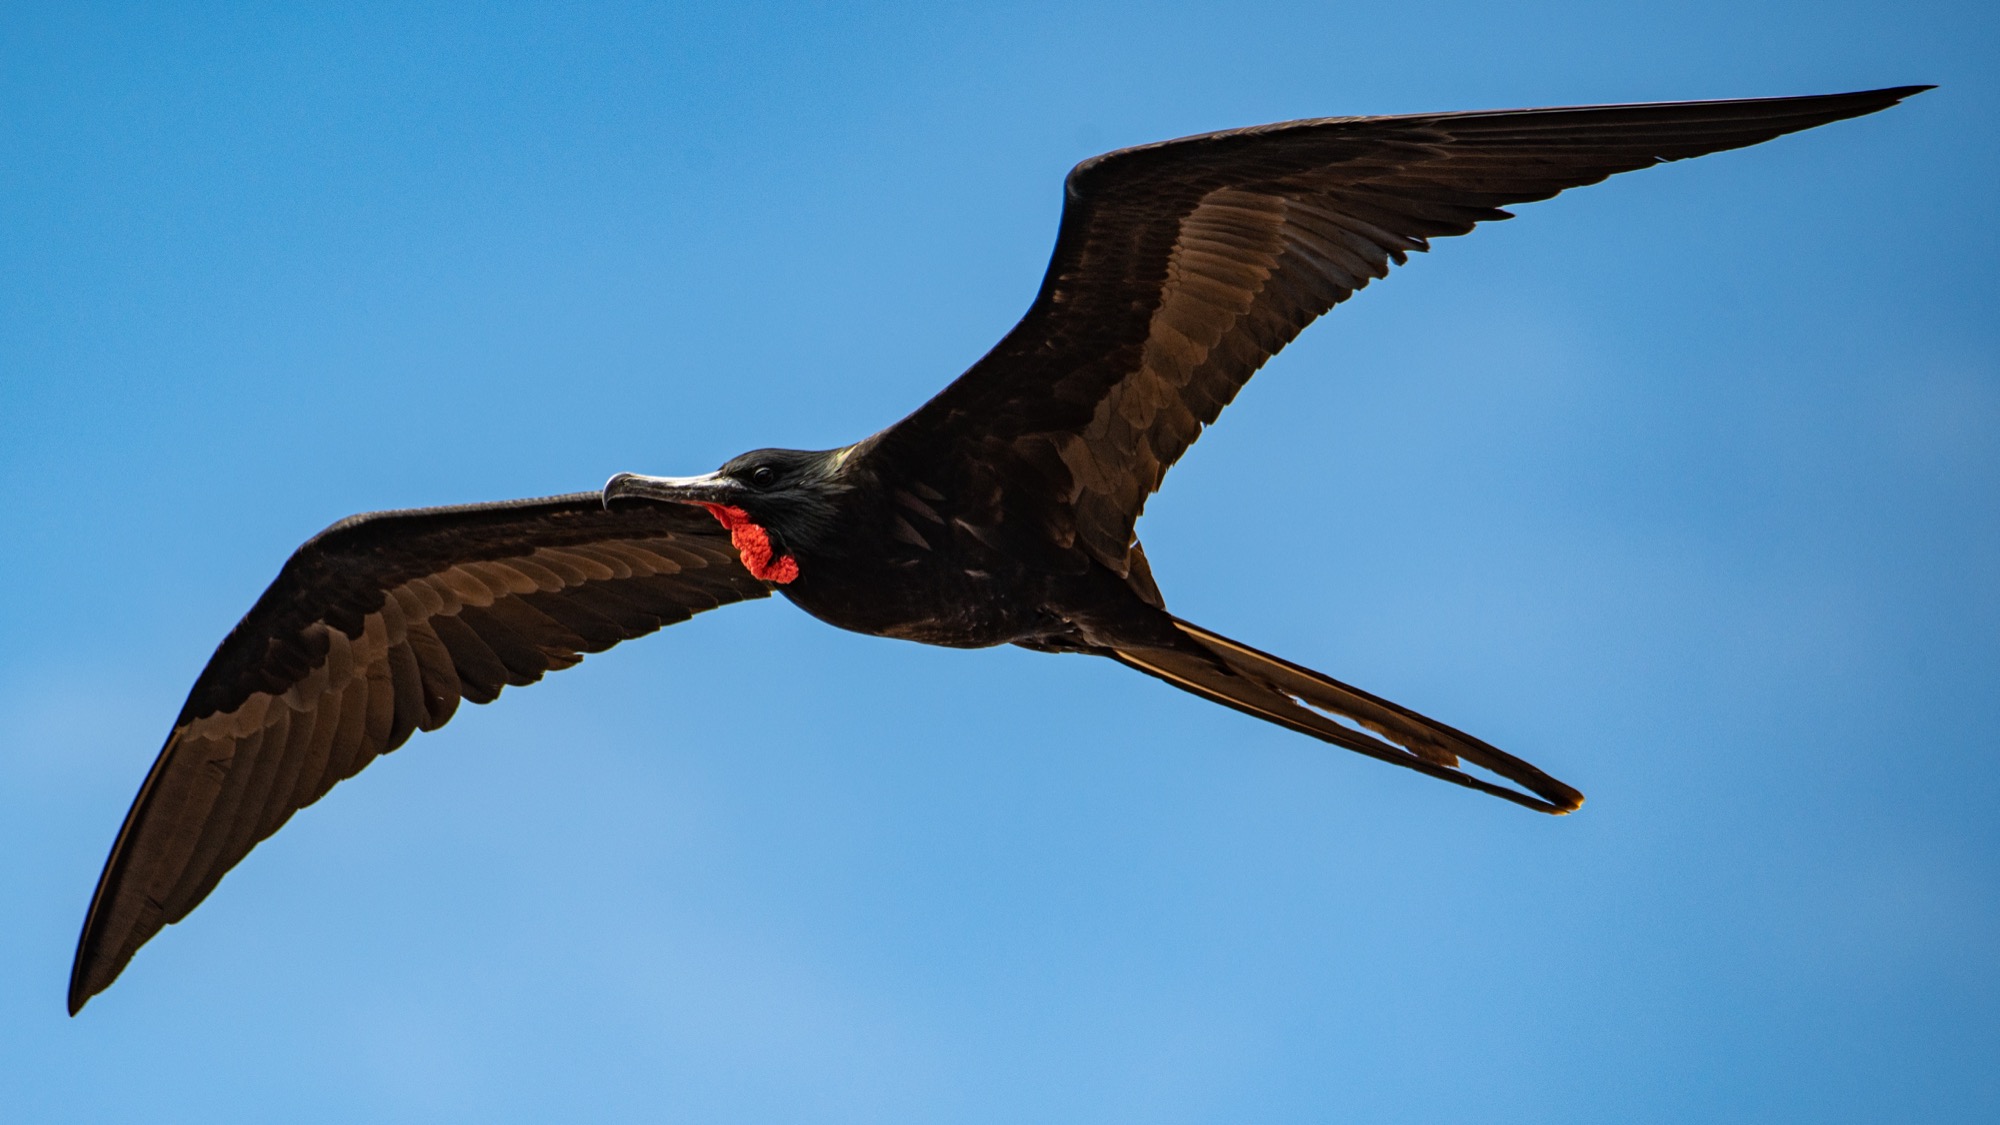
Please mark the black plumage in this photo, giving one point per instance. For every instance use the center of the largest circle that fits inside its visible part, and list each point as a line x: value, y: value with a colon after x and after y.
x: 1001, y: 511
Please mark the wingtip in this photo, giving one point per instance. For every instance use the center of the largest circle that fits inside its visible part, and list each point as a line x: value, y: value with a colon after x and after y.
x: 80, y: 991
x: 1860, y: 103
x: 78, y: 995
x: 1892, y: 95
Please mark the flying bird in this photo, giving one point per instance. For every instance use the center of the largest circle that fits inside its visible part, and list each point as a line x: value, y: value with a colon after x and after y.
x: 999, y: 512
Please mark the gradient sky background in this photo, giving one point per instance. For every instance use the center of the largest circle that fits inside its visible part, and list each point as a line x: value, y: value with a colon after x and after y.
x: 1685, y: 486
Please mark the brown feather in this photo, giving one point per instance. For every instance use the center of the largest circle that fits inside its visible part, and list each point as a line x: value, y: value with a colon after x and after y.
x: 376, y: 628
x: 1181, y: 267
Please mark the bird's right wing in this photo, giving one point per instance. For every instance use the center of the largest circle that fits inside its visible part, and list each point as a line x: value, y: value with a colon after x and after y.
x: 375, y: 628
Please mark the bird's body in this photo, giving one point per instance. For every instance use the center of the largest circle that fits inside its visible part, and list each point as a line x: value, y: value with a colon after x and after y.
x: 895, y: 557
x: 1000, y: 512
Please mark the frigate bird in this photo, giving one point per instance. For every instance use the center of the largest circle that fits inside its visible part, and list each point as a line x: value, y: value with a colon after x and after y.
x: 999, y: 512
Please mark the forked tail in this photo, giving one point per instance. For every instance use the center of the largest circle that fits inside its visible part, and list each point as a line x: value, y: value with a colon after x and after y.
x: 1281, y: 692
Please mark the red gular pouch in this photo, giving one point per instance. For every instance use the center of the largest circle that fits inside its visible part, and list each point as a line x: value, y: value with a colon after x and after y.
x: 753, y: 545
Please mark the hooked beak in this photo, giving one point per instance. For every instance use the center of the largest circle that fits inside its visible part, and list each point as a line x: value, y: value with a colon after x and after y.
x: 709, y: 488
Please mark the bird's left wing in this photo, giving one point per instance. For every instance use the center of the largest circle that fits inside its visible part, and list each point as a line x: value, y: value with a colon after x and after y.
x: 1180, y: 267
x: 375, y: 628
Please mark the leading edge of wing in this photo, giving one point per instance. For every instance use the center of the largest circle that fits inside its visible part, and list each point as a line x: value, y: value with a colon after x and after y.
x: 1822, y: 108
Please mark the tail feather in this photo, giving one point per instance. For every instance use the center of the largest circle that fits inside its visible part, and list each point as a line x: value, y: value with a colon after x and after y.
x: 1274, y: 690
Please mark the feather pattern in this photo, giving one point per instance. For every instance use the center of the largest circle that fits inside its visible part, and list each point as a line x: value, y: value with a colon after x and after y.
x: 375, y: 629
x: 1181, y: 267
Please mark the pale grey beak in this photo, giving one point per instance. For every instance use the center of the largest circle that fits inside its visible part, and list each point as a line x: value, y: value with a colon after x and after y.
x: 709, y: 488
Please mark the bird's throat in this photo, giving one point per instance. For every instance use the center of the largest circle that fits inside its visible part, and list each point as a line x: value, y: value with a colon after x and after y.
x: 753, y: 545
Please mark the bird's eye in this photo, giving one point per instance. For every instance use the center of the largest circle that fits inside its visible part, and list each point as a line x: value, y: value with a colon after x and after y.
x: 763, y: 476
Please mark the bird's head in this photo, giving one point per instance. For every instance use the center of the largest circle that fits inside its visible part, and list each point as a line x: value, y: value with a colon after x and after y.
x: 776, y: 503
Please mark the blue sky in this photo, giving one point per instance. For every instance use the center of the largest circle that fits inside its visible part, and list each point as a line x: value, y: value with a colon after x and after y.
x: 1685, y: 486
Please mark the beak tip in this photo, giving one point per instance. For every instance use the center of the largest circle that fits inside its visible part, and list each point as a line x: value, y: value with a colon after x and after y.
x: 618, y: 481
x: 614, y: 488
